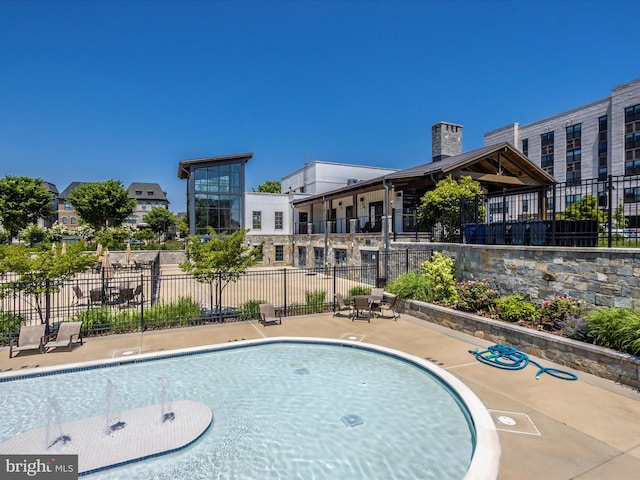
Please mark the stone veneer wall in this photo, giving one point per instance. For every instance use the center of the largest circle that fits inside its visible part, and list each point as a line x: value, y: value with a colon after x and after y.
x: 602, y: 362
x: 599, y: 276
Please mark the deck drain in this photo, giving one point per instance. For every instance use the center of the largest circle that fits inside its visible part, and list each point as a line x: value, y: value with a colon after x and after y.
x: 506, y: 420
x: 352, y: 420
x: 301, y: 371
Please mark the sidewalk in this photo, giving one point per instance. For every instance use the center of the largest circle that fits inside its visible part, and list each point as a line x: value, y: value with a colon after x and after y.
x: 585, y: 429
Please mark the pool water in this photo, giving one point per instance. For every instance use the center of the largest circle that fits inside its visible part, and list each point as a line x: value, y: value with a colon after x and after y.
x: 281, y: 410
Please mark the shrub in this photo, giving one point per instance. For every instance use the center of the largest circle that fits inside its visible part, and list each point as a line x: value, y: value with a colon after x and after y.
x: 250, y: 309
x: 476, y: 296
x: 442, y: 273
x: 614, y: 327
x: 412, y: 285
x: 575, y: 328
x: 315, y: 300
x: 95, y: 319
x: 554, y: 312
x: 357, y: 290
x: 515, y: 308
x: 9, y: 326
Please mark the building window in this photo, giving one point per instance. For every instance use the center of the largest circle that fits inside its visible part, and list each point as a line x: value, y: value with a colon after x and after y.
x: 631, y: 139
x: 64, y: 220
x: 73, y: 220
x: 279, y: 253
x: 525, y: 147
x: 525, y: 206
x: 68, y: 206
x: 603, y: 147
x: 340, y: 256
x: 571, y: 199
x: 632, y: 195
x: 574, y: 153
x: 257, y: 220
x: 546, y: 152
x: 150, y: 193
x: 138, y: 192
x: 279, y: 223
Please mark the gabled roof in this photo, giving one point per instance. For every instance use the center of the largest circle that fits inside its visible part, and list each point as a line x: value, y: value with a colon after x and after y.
x: 184, y: 167
x: 66, y: 193
x: 495, y: 167
x: 145, y: 189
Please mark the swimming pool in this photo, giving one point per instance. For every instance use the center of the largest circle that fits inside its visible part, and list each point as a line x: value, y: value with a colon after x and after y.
x: 283, y: 408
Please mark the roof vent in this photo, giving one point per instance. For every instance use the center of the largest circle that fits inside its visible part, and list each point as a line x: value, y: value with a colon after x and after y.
x: 351, y: 181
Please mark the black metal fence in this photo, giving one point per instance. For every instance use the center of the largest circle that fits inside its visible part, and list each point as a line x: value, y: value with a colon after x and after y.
x: 588, y: 213
x: 138, y: 300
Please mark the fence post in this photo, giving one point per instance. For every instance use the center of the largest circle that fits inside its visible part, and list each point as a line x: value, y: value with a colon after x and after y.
x: 553, y: 217
x: 47, y: 307
x: 610, y: 207
x: 335, y: 286
x: 142, y: 303
x: 284, y: 285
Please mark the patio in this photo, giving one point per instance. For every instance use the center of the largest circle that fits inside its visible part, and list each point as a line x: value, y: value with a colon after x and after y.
x: 587, y: 429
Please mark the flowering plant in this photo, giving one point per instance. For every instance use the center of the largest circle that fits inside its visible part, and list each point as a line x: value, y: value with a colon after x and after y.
x: 553, y: 313
x: 476, y: 296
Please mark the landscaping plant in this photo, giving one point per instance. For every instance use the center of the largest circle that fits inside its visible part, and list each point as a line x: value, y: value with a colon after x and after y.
x: 412, y: 286
x: 614, y: 327
x: 515, y: 308
x: 441, y: 271
x: 476, y: 296
x: 552, y: 313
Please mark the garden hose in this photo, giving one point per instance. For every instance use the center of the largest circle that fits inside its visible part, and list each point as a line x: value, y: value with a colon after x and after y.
x: 508, y: 358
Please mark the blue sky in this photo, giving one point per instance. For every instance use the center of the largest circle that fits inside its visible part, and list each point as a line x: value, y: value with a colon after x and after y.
x: 126, y: 89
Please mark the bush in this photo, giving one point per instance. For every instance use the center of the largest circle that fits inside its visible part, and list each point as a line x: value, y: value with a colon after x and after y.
x: 554, y: 312
x: 9, y: 326
x: 250, y: 309
x: 614, y: 327
x: 357, y: 290
x: 413, y: 286
x: 476, y: 296
x: 442, y: 273
x: 515, y: 308
x: 95, y: 320
x: 315, y: 300
x: 575, y: 328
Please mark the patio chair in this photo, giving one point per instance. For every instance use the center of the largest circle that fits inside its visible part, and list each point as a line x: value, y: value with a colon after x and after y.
x: 340, y: 305
x: 31, y: 338
x: 362, y: 306
x: 68, y: 334
x: 377, y: 293
x: 136, y: 294
x: 96, y: 295
x: 268, y: 314
x: 78, y: 295
x: 389, y: 304
x: 125, y: 295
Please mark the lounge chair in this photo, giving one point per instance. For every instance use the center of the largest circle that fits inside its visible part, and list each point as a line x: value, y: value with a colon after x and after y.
x: 340, y: 305
x: 68, y: 334
x: 268, y: 314
x: 31, y: 338
x: 389, y: 304
x: 78, y: 295
x: 361, y: 305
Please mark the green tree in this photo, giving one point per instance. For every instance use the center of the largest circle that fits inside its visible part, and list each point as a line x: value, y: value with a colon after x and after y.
x: 160, y: 220
x: 23, y: 200
x: 40, y: 272
x: 269, y: 186
x: 219, y: 261
x: 102, y: 204
x: 585, y: 209
x: 442, y: 204
x: 183, y: 226
x: 619, y: 220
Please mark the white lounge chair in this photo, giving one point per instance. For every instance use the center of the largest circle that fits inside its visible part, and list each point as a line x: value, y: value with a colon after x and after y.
x: 68, y: 334
x: 31, y: 338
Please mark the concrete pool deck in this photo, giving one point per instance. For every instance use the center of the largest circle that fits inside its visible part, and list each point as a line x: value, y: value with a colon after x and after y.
x: 585, y: 429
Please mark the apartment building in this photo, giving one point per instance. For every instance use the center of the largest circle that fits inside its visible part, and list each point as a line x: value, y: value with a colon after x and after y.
x: 147, y: 197
x: 592, y: 141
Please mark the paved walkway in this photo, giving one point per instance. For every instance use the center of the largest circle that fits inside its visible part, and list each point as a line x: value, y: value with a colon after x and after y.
x: 587, y: 429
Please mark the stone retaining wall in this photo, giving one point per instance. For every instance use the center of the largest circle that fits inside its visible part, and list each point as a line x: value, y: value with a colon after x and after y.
x: 602, y: 362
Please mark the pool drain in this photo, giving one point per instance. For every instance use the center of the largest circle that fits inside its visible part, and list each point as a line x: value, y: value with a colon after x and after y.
x: 506, y: 420
x: 301, y: 371
x: 352, y: 420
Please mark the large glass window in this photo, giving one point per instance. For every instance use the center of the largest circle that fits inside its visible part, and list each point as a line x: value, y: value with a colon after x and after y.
x: 279, y: 221
x: 632, y: 139
x: 574, y: 153
x: 218, y: 198
x: 546, y: 152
